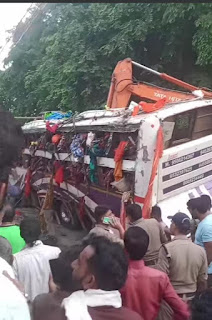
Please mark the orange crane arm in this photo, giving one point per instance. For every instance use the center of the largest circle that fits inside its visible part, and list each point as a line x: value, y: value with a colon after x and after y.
x: 122, y: 87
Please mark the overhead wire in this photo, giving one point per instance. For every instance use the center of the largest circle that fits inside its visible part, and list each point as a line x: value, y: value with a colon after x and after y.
x: 9, y: 38
x: 31, y: 21
x: 30, y: 24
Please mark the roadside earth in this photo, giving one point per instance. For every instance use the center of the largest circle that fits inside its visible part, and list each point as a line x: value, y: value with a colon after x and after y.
x: 65, y: 236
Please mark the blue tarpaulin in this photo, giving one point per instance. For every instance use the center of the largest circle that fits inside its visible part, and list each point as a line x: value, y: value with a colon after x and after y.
x: 58, y: 115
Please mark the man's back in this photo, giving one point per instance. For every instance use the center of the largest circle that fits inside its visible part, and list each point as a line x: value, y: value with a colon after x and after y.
x: 110, y: 313
x: 186, y: 264
x: 31, y: 267
x: 12, y: 234
x: 144, y: 290
x: 156, y: 237
x: 48, y: 307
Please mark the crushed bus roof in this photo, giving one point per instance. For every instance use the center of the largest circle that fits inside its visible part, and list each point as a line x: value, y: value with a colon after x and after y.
x: 116, y: 119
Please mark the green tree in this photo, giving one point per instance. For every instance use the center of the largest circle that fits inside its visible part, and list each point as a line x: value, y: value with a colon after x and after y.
x: 65, y: 53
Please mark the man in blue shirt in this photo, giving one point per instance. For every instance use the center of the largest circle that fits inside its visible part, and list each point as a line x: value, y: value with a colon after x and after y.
x: 203, y: 235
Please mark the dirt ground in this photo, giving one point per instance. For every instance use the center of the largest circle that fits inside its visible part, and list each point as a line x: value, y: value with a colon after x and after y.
x: 65, y: 237
x: 68, y: 237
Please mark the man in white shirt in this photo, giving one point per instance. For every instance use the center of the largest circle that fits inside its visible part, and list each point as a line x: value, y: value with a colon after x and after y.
x: 31, y: 265
x: 13, y: 305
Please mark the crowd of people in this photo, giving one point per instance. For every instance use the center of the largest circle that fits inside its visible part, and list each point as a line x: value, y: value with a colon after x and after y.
x: 146, y: 271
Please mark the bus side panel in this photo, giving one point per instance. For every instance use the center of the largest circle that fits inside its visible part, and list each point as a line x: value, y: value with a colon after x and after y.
x: 185, y: 167
x: 94, y: 196
x: 145, y: 155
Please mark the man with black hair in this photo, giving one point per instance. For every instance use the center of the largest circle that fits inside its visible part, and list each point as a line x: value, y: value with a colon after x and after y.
x: 31, y: 265
x: 48, y: 306
x: 102, y: 270
x: 203, y: 236
x: 191, y: 207
x: 194, y: 222
x: 183, y: 261
x: 153, y: 229
x: 202, y: 306
x: 103, y: 226
x: 9, y: 230
x: 146, y: 287
x: 207, y: 200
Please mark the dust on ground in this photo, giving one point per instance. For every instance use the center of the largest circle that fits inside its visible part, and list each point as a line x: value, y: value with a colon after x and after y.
x: 65, y: 236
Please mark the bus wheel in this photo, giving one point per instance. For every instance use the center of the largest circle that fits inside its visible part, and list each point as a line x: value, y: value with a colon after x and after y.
x: 68, y: 216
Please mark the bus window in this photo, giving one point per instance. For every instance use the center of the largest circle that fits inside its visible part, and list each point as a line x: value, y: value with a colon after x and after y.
x: 184, y: 123
x: 190, y: 125
x: 203, y: 123
x: 130, y: 153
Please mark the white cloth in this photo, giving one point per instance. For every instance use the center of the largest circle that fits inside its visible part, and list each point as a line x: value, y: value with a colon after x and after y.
x: 4, y: 266
x: 76, y: 304
x: 13, y: 305
x: 32, y: 269
x: 90, y: 138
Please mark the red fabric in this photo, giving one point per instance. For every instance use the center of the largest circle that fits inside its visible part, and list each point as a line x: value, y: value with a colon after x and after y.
x: 27, y: 189
x: 119, y: 152
x: 151, y: 107
x: 118, y: 174
x: 18, y: 213
x: 135, y: 110
x: 59, y: 175
x: 146, y: 287
x: 57, y: 165
x: 52, y: 128
x: 139, y: 199
x: 118, y: 158
x: 56, y: 138
x: 158, y: 155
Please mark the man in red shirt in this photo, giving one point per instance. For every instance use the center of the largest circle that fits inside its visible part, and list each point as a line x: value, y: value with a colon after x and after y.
x: 146, y: 287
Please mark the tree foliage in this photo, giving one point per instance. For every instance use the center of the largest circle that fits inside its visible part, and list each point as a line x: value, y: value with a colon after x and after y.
x: 68, y: 51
